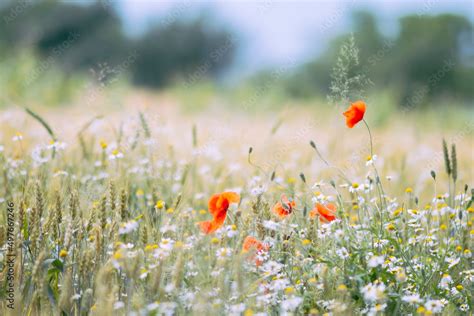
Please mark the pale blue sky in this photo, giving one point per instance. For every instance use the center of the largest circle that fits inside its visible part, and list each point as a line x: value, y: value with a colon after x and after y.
x: 273, y: 32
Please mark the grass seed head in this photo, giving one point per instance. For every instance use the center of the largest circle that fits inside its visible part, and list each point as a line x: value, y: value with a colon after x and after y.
x: 447, y: 162
x: 454, y: 162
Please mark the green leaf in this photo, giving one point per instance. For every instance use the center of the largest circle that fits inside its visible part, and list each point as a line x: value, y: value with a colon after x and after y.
x: 42, y: 122
x: 52, y: 296
x: 58, y: 264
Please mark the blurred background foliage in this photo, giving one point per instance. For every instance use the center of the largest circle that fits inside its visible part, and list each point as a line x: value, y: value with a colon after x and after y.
x: 55, y: 45
x: 410, y: 63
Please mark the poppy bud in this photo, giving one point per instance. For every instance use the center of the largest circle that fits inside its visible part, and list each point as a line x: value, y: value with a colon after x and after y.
x: 303, y: 177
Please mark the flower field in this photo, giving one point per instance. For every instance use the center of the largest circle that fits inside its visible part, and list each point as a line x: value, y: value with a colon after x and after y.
x: 155, y: 212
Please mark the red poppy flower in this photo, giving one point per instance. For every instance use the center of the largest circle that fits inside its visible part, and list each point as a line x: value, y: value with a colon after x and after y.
x: 208, y: 227
x: 218, y: 205
x: 253, y: 244
x: 355, y: 113
x: 284, y: 207
x: 326, y: 212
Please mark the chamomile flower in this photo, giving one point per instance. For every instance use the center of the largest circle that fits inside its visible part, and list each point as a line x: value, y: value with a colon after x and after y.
x: 128, y: 227
x: 452, y: 261
x: 168, y: 228
x: 370, y: 160
x: 354, y: 187
x: 231, y: 231
x: 434, y: 306
x: 271, y: 225
x: 318, y: 185
x: 18, y: 137
x: 464, y: 307
x: 375, y: 261
x: 237, y: 309
x: 115, y: 154
x: 412, y: 298
x: 167, y: 244
x: 291, y: 304
x: 223, y: 253
x: 342, y: 253
x: 445, y: 281
x: 56, y: 145
x: 118, y: 305
x: 258, y: 190
x: 374, y: 292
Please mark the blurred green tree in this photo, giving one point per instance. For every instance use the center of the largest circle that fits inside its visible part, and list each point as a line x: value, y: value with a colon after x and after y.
x: 315, y: 76
x: 89, y: 36
x: 182, y: 50
x: 429, y: 58
x: 75, y: 36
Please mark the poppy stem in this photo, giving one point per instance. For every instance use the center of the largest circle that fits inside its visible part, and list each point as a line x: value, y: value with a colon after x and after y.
x: 370, y: 136
x: 372, y: 154
x: 327, y: 163
x: 254, y: 165
x: 378, y: 182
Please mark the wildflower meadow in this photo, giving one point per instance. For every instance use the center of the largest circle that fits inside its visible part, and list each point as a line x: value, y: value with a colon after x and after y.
x: 191, y: 201
x: 145, y: 217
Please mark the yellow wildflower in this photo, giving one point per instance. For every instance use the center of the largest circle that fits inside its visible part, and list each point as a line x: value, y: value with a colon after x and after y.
x: 306, y: 242
x: 160, y: 204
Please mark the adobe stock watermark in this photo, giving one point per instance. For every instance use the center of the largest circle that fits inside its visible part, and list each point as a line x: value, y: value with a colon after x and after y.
x: 11, y: 256
x: 174, y: 15
x: 336, y: 15
x: 17, y: 10
x: 48, y: 62
x: 436, y: 162
x: 428, y: 6
x: 275, y: 76
x: 419, y: 96
x: 213, y: 59
x: 300, y: 135
x: 265, y: 6
x: 107, y: 76
x: 378, y: 56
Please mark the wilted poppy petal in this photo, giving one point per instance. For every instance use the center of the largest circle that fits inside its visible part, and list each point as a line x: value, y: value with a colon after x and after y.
x: 279, y: 210
x: 253, y: 244
x: 218, y: 205
x: 284, y: 207
x: 327, y: 211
